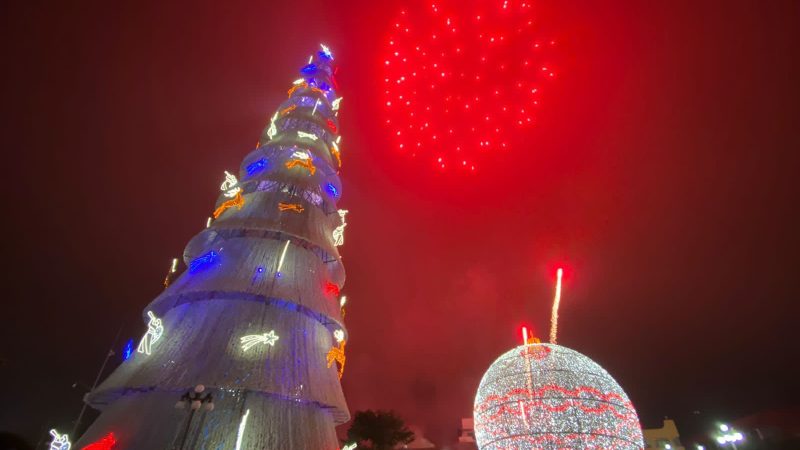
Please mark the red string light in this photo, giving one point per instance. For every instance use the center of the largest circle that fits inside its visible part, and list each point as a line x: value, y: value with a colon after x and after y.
x: 107, y: 442
x: 331, y: 289
x: 331, y: 125
x: 460, y: 77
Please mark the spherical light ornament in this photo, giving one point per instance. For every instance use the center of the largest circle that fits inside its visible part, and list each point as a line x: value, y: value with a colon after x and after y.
x: 545, y: 396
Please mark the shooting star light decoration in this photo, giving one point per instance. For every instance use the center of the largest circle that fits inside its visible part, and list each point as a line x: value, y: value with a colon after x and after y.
x: 252, y: 340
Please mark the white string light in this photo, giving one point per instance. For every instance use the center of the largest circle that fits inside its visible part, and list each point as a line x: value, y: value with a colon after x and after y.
x: 208, y: 222
x: 174, y: 265
x: 283, y: 255
x: 326, y: 51
x: 303, y: 134
x: 338, y: 232
x: 316, y: 103
x: 252, y: 340
x: 342, y: 300
x: 60, y: 441
x: 301, y: 155
x: 229, y: 186
x: 350, y: 446
x: 273, y: 130
x: 298, y: 81
x: 242, y: 425
x: 335, y: 104
x: 154, y: 331
x: 338, y: 335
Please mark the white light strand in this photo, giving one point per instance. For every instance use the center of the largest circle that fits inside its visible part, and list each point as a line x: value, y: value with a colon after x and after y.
x: 273, y: 129
x: 338, y: 232
x: 229, y: 186
x: 60, y: 441
x: 283, y: 255
x: 316, y: 103
x: 303, y: 134
x: 335, y: 104
x: 252, y: 340
x: 154, y: 331
x: 350, y: 446
x: 326, y: 51
x: 208, y: 222
x: 174, y: 267
x: 556, y: 303
x: 242, y: 426
x: 310, y: 59
x: 301, y: 155
x: 298, y: 81
x: 342, y: 300
x: 338, y: 335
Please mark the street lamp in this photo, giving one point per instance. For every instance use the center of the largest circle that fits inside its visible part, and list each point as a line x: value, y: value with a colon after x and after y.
x: 729, y: 436
x: 196, y: 399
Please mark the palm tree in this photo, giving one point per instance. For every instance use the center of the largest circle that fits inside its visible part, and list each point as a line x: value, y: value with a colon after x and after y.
x: 382, y: 429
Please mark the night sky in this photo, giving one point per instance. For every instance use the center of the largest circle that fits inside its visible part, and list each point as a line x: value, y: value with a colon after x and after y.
x: 661, y: 173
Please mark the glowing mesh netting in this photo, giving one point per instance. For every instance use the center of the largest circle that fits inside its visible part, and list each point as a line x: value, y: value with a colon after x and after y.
x: 544, y: 396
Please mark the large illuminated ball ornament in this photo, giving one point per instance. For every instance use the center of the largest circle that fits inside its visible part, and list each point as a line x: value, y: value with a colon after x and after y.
x: 545, y: 396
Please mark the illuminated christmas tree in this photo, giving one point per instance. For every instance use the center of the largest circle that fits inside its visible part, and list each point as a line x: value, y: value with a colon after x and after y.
x: 249, y: 340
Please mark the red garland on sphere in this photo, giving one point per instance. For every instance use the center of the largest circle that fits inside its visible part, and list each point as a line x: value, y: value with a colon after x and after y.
x: 461, y: 77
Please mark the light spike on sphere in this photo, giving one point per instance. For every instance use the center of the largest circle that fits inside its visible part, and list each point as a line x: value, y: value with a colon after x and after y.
x: 556, y: 303
x: 462, y: 79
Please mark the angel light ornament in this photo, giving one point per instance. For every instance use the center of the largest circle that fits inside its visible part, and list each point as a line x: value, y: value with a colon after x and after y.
x: 229, y: 186
x: 338, y: 232
x: 60, y: 441
x: 154, y: 331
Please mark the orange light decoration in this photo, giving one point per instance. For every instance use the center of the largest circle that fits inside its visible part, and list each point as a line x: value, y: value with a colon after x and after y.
x: 306, y: 163
x: 296, y: 207
x: 318, y: 90
x: 288, y: 109
x: 336, y: 154
x: 294, y: 88
x: 237, y: 202
x: 337, y: 354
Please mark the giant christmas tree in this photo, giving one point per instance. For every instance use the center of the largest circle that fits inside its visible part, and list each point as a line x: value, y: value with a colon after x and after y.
x: 256, y: 318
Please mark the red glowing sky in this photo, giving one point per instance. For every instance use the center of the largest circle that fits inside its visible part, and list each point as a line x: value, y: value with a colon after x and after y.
x: 660, y: 172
